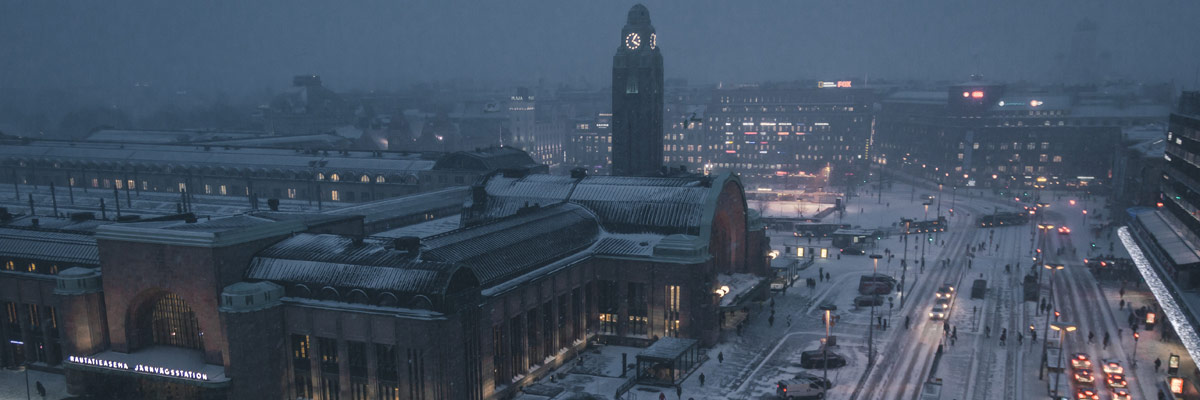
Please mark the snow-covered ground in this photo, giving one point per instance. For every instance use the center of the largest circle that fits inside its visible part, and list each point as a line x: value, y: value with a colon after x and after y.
x: 12, y: 384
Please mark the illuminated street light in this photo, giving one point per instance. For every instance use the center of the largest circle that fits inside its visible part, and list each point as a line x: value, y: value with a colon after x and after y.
x: 1062, y: 328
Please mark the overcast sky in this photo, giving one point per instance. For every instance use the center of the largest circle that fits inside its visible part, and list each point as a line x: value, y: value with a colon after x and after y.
x: 243, y: 46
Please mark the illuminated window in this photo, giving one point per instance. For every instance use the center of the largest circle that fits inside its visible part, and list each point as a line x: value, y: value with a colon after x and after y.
x: 95, y: 182
x: 291, y: 193
x: 131, y: 184
x: 365, y: 179
x: 32, y: 267
x: 9, y: 265
x: 182, y: 187
x: 53, y: 269
x: 672, y: 311
x: 824, y: 253
x: 71, y: 181
x: 799, y: 252
x: 223, y: 190
x: 1057, y: 158
x: 335, y: 177
x: 31, y: 311
x: 119, y: 183
x: 333, y: 195
x: 172, y: 323
x: 207, y: 189
x: 320, y: 176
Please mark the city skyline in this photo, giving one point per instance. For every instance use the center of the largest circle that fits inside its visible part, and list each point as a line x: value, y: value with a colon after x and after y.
x: 240, y: 48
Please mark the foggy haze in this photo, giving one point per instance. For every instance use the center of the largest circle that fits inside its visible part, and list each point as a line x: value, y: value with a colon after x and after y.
x: 241, y: 47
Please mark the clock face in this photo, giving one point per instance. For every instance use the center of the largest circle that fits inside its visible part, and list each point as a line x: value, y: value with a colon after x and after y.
x: 653, y: 41
x: 633, y: 41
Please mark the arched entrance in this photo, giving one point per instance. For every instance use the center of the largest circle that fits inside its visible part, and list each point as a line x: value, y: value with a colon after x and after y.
x: 169, y: 321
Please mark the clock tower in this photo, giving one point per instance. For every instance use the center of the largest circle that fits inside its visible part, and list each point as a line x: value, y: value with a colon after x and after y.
x: 637, y: 98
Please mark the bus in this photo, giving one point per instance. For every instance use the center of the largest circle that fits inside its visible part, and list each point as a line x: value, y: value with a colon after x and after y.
x: 1003, y: 219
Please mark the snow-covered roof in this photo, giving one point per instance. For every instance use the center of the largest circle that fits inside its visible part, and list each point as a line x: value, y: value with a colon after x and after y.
x: 508, y: 247
x: 493, y: 252
x: 51, y: 246
x: 624, y: 204
x: 403, y: 206
x: 424, y: 229
x: 165, y: 137
x: 667, y: 348
x: 212, y: 156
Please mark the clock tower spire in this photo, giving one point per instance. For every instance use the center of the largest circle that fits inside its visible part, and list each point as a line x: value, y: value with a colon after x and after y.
x: 637, y: 98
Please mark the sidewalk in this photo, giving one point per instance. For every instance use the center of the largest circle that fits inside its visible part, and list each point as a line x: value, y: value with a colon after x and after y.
x: 12, y: 385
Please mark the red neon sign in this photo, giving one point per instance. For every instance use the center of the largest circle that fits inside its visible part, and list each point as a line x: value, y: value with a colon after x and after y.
x: 978, y: 94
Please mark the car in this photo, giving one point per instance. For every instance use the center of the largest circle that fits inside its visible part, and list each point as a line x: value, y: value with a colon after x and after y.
x: 799, y: 389
x: 1084, y: 376
x: 1111, y: 366
x: 868, y: 300
x: 946, y: 291
x: 1086, y: 393
x: 1081, y: 361
x: 853, y: 251
x: 1121, y: 394
x: 1062, y: 230
x: 937, y: 312
x: 804, y: 376
x: 779, y: 284
x: 1116, y: 381
x: 812, y: 359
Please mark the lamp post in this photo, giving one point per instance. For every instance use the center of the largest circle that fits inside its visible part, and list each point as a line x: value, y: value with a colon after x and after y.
x: 825, y: 349
x: 904, y: 262
x: 1062, y: 328
x: 1135, y: 341
x: 1052, y: 268
x: 871, y: 332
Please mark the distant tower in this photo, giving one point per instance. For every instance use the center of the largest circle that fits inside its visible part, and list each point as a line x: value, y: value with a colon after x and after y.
x: 637, y: 98
x: 1082, y: 65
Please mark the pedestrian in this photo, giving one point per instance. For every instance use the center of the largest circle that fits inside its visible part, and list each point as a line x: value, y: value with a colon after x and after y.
x: 1157, y: 363
x: 771, y: 321
x: 701, y: 379
x: 1106, y: 340
x: 720, y: 357
x: 41, y: 390
x: 907, y: 320
x: 789, y: 321
x: 954, y: 331
x: 662, y: 396
x: 1122, y: 293
x: 1002, y: 337
x: 827, y: 276
x: 1020, y: 338
x: 1092, y: 337
x: 987, y: 331
x: 885, y: 324
x: 1121, y: 305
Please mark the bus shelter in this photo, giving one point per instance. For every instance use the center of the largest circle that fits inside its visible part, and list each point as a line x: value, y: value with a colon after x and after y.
x: 668, y: 361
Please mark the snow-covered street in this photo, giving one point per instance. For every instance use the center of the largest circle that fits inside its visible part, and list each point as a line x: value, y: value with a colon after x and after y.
x: 973, y: 363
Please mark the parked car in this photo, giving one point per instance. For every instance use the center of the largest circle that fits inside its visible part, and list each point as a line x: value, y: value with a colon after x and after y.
x: 1121, y: 394
x: 804, y: 376
x: 853, y: 251
x: 818, y: 359
x: 876, y: 284
x: 799, y: 389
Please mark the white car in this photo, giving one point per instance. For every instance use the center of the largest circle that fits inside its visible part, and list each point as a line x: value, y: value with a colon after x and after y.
x: 938, y: 311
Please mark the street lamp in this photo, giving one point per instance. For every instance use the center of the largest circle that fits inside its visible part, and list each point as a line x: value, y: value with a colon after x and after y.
x: 871, y: 332
x: 1062, y: 328
x: 1052, y: 268
x: 1135, y: 341
x: 904, y: 261
x: 828, y: 308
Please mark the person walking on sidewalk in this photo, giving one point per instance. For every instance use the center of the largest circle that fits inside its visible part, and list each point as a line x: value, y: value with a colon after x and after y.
x: 1106, y: 340
x: 1157, y: 363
